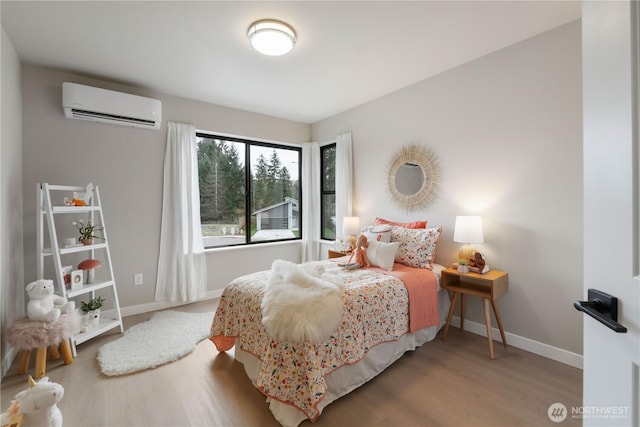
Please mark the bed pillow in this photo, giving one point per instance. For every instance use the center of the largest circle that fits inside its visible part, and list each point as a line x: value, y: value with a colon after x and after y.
x: 417, y: 246
x: 414, y: 224
x: 379, y: 233
x: 382, y: 254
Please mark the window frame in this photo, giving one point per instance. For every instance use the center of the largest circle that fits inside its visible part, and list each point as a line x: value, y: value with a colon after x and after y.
x: 247, y: 182
x: 324, y: 192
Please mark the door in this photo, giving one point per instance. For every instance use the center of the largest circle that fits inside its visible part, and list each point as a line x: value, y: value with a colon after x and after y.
x: 611, y: 210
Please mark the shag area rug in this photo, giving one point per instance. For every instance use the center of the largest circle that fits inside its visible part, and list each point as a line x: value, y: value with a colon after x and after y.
x: 166, y: 337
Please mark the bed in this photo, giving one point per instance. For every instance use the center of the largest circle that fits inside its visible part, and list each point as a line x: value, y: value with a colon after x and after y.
x: 385, y: 313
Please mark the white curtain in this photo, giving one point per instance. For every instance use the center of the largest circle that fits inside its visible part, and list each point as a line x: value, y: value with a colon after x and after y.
x: 344, y: 179
x: 310, y: 201
x: 182, y: 269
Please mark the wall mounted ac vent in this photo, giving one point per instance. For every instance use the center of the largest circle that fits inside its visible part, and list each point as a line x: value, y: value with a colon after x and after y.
x: 107, y: 106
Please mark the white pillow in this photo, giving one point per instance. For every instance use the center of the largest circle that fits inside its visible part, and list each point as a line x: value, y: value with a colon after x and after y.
x: 379, y: 233
x: 382, y: 254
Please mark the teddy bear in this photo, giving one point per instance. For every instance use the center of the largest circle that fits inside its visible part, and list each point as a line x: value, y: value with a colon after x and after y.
x: 478, y: 261
x: 43, y: 304
x: 38, y: 404
x: 360, y: 252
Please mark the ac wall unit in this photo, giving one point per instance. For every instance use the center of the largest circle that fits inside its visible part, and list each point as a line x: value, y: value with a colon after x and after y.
x: 101, y: 105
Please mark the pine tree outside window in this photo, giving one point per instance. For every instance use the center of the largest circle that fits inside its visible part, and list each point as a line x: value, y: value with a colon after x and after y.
x: 328, y: 192
x: 269, y: 211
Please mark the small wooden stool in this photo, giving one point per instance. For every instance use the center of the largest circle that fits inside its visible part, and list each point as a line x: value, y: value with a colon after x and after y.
x: 26, y: 335
x: 41, y: 358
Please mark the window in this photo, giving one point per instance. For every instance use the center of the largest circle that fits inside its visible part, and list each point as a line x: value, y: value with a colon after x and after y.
x: 328, y: 192
x: 271, y: 173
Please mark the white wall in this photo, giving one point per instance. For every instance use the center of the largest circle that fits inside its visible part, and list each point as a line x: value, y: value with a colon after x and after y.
x: 127, y: 164
x: 507, y: 130
x: 11, y: 260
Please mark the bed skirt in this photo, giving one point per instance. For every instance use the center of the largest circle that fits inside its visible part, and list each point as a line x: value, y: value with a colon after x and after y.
x: 347, y: 378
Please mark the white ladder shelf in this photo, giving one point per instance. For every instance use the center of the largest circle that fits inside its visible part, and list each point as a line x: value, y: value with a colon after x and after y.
x: 105, y: 282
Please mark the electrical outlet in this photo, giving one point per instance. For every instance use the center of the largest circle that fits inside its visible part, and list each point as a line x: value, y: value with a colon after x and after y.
x: 137, y: 279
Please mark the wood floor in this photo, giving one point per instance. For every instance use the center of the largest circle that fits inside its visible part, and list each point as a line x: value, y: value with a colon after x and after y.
x: 450, y: 383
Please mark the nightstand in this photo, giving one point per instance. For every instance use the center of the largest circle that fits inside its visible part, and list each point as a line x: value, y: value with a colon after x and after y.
x: 336, y: 254
x: 487, y: 286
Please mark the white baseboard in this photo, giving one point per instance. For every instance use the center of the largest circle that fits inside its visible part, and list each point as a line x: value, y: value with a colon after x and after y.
x: 536, y: 347
x: 161, y: 305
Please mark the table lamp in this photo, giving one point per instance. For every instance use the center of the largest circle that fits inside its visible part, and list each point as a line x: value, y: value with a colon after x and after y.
x: 351, y: 228
x: 468, y: 230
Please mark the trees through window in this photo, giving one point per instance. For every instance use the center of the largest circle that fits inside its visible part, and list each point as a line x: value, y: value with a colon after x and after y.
x: 249, y: 191
x: 328, y: 192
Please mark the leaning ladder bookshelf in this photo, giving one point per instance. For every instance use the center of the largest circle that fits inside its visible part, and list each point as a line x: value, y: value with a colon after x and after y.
x: 50, y: 216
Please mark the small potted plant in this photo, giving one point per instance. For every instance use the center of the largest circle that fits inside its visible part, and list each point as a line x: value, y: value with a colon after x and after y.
x: 91, y: 310
x: 87, y: 231
x: 463, y: 266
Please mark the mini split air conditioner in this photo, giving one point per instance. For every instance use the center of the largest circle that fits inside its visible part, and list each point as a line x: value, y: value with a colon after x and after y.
x: 101, y: 105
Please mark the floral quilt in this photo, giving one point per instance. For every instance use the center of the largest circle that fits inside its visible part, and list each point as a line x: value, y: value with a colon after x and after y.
x: 376, y: 310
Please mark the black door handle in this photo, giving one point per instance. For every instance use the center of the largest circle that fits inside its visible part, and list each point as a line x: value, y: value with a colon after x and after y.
x: 602, y: 307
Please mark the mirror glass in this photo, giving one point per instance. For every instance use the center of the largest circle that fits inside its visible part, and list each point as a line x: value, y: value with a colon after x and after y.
x: 409, y: 179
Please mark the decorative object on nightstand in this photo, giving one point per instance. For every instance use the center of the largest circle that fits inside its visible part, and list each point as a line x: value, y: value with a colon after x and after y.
x: 487, y: 286
x: 351, y: 228
x: 463, y: 266
x: 468, y: 230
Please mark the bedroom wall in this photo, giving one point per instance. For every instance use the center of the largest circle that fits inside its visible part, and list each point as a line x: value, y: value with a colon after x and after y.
x: 127, y: 165
x: 507, y: 131
x: 11, y: 259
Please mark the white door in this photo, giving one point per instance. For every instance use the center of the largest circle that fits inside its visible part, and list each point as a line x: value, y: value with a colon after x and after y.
x: 611, y: 210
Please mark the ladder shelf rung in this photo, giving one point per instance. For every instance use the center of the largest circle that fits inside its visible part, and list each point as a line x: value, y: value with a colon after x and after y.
x: 85, y: 289
x: 74, y: 249
x: 66, y: 187
x: 103, y: 326
x: 73, y: 209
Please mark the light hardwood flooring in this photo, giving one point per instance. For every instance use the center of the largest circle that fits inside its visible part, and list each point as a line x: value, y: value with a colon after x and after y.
x: 443, y: 383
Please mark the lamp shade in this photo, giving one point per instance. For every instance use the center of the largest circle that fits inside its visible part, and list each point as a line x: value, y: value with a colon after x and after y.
x: 468, y: 229
x: 351, y: 225
x: 271, y: 37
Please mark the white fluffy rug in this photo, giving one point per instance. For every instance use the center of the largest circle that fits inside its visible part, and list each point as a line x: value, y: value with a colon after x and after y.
x: 166, y: 337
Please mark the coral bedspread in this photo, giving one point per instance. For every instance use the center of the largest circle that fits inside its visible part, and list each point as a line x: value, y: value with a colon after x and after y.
x: 376, y: 310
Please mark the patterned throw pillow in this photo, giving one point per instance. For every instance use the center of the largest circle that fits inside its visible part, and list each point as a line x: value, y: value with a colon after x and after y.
x: 417, y: 246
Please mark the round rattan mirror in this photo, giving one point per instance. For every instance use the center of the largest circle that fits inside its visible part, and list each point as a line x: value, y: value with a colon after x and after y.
x: 412, y: 177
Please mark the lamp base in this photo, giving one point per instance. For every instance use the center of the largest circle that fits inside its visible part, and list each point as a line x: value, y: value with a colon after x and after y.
x: 352, y: 242
x: 466, y: 252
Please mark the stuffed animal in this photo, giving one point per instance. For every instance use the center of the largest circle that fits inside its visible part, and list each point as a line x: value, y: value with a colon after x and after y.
x: 43, y: 304
x: 477, y: 261
x: 360, y: 252
x: 91, y: 319
x: 38, y: 404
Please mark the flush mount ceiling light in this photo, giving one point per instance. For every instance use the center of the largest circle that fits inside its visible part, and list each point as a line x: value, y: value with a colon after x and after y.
x: 271, y: 37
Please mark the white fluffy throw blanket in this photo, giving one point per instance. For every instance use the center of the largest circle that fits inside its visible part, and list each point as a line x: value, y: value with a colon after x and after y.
x: 301, y: 302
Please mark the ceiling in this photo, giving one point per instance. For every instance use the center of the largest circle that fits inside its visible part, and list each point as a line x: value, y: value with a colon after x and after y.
x: 347, y: 53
